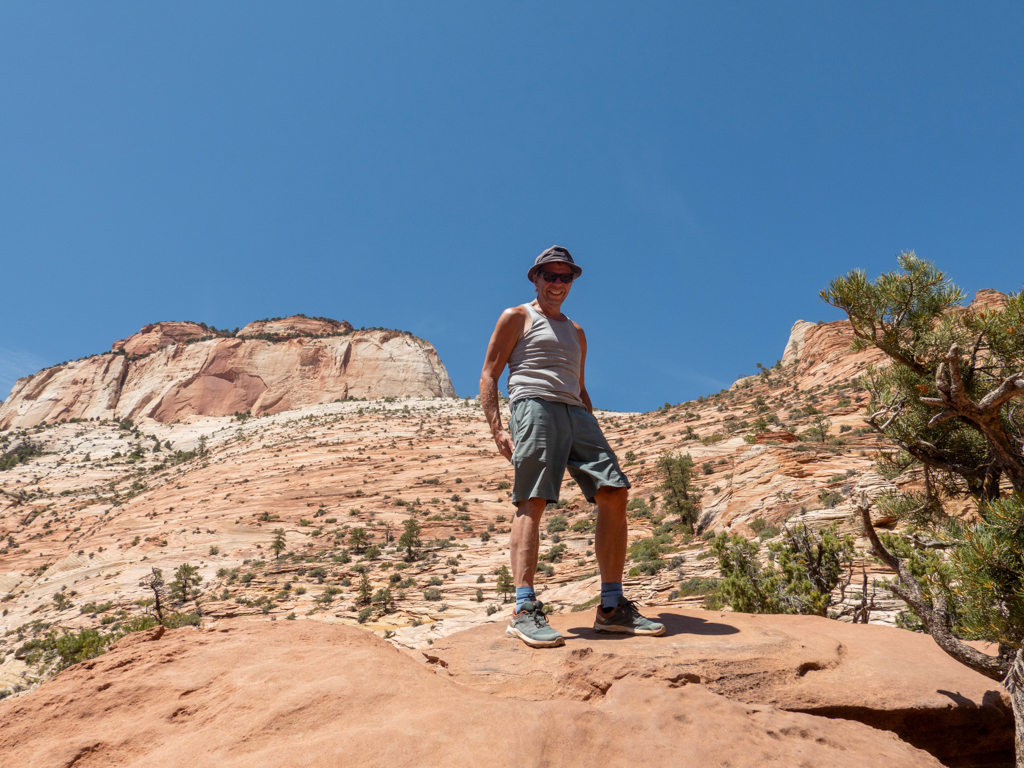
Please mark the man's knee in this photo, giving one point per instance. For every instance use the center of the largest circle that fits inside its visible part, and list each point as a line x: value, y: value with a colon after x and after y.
x: 532, y: 508
x: 612, y: 498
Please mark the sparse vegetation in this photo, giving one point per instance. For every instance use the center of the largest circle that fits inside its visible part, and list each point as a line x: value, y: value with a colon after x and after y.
x: 800, y: 576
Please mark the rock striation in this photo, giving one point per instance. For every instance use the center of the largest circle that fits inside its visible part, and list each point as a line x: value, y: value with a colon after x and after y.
x: 302, y: 693
x: 169, y: 371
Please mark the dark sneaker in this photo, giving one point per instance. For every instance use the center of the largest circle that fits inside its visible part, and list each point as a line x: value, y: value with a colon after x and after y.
x: 530, y: 626
x: 626, y: 618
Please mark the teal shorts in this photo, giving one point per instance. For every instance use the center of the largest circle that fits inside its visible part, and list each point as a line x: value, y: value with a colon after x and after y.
x: 552, y: 437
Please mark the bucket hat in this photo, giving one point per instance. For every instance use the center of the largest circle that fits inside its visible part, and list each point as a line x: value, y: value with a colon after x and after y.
x: 551, y: 255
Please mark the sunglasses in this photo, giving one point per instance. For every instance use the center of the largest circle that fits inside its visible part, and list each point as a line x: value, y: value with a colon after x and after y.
x: 551, y: 277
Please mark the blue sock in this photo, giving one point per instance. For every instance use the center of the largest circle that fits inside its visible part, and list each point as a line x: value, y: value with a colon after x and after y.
x: 523, y: 595
x: 611, y: 591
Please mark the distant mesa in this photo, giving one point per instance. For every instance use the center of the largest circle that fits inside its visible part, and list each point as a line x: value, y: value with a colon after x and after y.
x: 172, y: 370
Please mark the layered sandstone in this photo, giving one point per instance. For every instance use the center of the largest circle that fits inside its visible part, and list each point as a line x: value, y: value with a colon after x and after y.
x: 163, y: 377
x: 307, y: 694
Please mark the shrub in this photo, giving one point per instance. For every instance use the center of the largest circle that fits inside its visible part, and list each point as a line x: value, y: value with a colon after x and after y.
x: 806, y: 568
x: 557, y: 523
x: 829, y: 499
x: 554, y: 554
x: 432, y: 594
x: 696, y: 586
x: 649, y: 549
x: 74, y: 647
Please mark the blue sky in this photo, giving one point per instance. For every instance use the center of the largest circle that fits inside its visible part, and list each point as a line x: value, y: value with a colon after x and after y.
x: 710, y: 165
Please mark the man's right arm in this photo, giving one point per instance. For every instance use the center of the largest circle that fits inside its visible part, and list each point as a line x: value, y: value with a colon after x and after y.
x: 499, y: 349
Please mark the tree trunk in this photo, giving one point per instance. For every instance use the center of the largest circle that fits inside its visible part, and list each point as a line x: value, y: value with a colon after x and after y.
x: 1017, y: 697
x: 1014, y: 685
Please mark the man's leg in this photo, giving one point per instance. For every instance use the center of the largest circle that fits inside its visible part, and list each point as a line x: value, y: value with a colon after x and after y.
x: 524, y: 544
x: 616, y: 614
x: 610, y: 541
x: 528, y: 621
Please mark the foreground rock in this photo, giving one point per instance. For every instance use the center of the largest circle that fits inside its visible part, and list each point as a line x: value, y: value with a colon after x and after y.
x: 888, y: 678
x: 308, y: 694
x: 168, y: 371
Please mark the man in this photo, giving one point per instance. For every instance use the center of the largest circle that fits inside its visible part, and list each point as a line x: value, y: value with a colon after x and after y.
x: 552, y: 427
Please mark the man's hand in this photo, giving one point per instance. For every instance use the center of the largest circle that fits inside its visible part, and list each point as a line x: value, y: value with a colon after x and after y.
x: 505, y: 445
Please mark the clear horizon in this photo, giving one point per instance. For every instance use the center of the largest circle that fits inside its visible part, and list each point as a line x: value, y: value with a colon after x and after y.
x: 711, y: 168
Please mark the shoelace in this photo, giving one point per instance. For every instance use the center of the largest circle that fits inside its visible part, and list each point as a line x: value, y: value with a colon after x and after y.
x: 537, y: 614
x: 632, y: 610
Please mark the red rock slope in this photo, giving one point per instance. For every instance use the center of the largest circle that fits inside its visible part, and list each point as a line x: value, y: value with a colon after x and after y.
x: 308, y: 694
x: 166, y: 373
x: 884, y: 677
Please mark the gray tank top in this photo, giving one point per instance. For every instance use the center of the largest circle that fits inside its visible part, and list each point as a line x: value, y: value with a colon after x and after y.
x: 545, y: 362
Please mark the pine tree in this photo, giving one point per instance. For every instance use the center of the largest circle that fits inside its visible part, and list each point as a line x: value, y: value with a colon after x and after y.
x: 410, y: 539
x: 277, y: 544
x: 676, y: 473
x: 358, y: 539
x: 155, y: 582
x: 186, y: 583
x: 384, y: 599
x: 946, y: 402
x: 365, y: 589
x: 821, y: 424
x: 505, y: 585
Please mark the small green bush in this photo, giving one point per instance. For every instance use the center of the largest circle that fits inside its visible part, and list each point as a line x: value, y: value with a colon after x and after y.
x: 557, y: 523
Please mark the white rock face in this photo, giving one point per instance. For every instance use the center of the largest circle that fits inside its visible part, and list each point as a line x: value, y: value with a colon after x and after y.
x: 796, y: 341
x: 81, y: 389
x: 224, y: 375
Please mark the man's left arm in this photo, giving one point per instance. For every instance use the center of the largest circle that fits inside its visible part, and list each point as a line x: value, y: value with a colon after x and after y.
x: 583, y: 363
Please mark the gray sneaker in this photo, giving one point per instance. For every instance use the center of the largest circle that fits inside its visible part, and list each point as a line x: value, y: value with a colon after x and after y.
x: 626, y: 618
x: 530, y: 626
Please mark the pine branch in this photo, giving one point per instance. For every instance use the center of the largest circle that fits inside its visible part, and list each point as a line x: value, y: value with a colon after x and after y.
x: 932, y: 612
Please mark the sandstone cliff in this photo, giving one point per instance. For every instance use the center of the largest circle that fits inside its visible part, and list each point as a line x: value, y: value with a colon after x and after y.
x: 166, y: 372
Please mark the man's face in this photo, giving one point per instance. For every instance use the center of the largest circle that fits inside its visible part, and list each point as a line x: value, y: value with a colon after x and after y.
x: 553, y: 293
